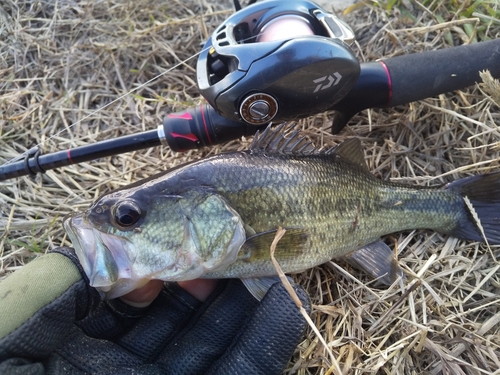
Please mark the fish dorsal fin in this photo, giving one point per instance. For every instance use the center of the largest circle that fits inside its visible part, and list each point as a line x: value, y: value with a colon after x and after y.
x: 351, y: 150
x: 284, y: 139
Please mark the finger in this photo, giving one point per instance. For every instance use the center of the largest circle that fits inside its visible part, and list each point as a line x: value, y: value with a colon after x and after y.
x: 172, y: 310
x: 143, y: 296
x: 210, y: 332
x: 199, y: 288
x: 122, y: 337
x: 270, y: 337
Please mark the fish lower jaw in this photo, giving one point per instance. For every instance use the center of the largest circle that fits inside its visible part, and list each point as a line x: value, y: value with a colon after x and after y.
x: 101, y: 282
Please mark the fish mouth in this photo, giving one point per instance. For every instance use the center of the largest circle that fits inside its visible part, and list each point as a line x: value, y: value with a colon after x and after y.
x: 103, y: 256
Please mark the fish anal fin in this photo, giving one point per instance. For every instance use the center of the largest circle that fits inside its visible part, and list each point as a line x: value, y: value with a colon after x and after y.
x: 291, y: 245
x: 377, y: 259
x: 258, y: 286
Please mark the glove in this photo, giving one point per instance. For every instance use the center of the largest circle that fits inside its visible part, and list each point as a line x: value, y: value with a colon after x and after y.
x: 53, y: 322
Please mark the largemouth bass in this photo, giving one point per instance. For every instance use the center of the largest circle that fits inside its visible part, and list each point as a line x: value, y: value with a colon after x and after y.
x: 217, y: 217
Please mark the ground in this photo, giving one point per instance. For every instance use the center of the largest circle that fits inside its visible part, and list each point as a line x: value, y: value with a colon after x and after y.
x: 66, y: 68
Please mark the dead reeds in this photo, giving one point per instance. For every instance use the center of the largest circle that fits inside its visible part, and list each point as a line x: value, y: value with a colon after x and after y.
x: 66, y: 66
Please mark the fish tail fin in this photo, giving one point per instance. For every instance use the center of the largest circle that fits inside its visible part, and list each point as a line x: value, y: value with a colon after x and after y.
x: 481, y: 195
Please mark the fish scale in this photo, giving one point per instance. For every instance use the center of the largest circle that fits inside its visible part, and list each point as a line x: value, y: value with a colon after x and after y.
x: 340, y: 205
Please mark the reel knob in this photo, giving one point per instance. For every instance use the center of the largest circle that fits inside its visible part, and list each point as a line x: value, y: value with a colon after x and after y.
x: 258, y: 109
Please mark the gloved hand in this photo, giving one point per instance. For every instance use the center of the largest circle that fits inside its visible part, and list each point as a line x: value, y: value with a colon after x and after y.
x: 53, y: 322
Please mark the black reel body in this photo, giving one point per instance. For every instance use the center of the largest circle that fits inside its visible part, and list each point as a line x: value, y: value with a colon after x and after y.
x: 277, y: 60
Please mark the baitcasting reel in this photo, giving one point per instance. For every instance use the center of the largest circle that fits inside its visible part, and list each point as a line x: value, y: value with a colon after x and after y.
x: 277, y: 60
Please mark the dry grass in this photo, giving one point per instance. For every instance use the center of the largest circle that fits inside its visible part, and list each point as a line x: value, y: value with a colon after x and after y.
x: 62, y: 60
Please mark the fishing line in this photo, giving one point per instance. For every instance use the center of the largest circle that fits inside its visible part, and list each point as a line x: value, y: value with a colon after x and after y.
x: 33, y: 149
x: 36, y: 150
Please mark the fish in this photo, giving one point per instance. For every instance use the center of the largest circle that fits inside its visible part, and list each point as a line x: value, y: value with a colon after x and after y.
x: 217, y: 217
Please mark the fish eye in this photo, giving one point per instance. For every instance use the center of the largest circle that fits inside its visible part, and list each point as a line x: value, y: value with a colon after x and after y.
x: 127, y: 214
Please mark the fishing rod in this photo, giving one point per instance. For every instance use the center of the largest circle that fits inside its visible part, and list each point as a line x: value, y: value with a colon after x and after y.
x: 278, y: 61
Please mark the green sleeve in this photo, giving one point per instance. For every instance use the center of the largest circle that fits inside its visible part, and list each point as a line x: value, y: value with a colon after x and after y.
x: 32, y: 287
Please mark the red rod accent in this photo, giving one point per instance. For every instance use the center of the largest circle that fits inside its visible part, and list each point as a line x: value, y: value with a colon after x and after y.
x: 69, y: 156
x: 184, y: 116
x: 205, y: 123
x: 189, y: 136
x: 389, y: 82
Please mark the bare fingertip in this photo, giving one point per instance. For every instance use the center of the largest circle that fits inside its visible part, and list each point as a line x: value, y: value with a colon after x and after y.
x: 143, y: 296
x: 199, y: 288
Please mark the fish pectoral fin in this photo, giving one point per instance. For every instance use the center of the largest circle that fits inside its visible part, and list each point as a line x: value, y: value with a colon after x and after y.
x: 377, y: 259
x: 249, y: 231
x: 258, y: 286
x: 258, y: 246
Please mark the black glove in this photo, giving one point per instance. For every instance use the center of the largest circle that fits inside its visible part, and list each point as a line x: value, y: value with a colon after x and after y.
x: 53, y: 322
